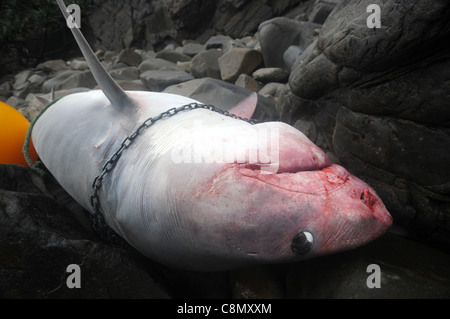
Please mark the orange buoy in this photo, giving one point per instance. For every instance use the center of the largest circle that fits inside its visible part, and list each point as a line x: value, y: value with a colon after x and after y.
x: 13, y: 128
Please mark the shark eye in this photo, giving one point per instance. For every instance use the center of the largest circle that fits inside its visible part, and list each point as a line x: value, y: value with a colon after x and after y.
x: 302, y: 243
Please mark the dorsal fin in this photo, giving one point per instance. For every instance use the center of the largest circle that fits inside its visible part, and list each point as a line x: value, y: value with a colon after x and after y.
x: 118, y: 98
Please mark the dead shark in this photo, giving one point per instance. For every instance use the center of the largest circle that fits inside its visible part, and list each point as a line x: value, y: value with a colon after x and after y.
x: 199, y: 189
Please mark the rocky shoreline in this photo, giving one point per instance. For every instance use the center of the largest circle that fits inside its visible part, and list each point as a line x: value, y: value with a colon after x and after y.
x: 375, y: 100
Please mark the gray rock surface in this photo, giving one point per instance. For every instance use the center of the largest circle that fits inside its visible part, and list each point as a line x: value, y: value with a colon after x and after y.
x: 246, y: 81
x: 223, y: 95
x: 40, y: 238
x: 129, y: 57
x: 172, y: 56
x: 159, y: 80
x: 379, y: 99
x: 407, y: 270
x: 267, y: 75
x: 238, y: 61
x: 206, y: 64
x: 157, y: 64
x: 278, y: 34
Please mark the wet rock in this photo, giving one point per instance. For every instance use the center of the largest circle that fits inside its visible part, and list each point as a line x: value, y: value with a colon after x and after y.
x: 261, y: 282
x: 126, y: 74
x: 159, y: 80
x: 267, y: 75
x: 278, y: 34
x: 190, y: 15
x: 273, y: 90
x: 311, y: 79
x: 238, y: 61
x: 70, y: 79
x: 206, y: 64
x: 15, y: 102
x: 192, y: 49
x: 407, y: 270
x: 129, y: 57
x: 172, y: 56
x: 218, y: 42
x: 53, y: 65
x: 39, y: 239
x: 36, y: 79
x: 321, y: 10
x: 20, y: 79
x: 246, y: 21
x: 223, y: 95
x: 379, y: 93
x: 184, y: 66
x: 80, y: 65
x: 5, y: 89
x: 157, y: 64
x: 246, y: 81
x: 135, y: 85
x: 354, y: 47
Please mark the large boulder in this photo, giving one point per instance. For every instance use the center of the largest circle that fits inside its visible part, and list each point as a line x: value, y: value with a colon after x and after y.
x: 40, y: 239
x: 376, y: 100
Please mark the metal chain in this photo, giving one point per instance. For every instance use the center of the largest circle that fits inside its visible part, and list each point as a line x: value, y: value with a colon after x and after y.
x: 97, y: 219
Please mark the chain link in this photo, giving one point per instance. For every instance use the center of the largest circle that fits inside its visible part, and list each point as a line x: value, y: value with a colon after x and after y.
x: 97, y: 219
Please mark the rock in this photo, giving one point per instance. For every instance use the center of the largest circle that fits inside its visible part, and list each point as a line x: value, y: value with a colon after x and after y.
x: 192, y: 49
x: 36, y: 79
x: 407, y: 270
x: 157, y: 64
x: 129, y: 57
x: 365, y: 50
x: 374, y: 98
x: 291, y: 55
x: 109, y: 56
x: 39, y: 239
x: 206, y: 64
x: 53, y: 65
x: 172, y: 56
x: 246, y: 81
x: 5, y: 89
x: 135, y: 85
x: 15, y: 102
x: 311, y: 79
x: 70, y: 79
x: 370, y: 136
x: 218, y: 42
x: 20, y: 79
x: 246, y: 21
x: 80, y: 65
x: 321, y: 10
x: 184, y: 66
x: 223, y: 95
x: 190, y: 15
x: 273, y: 90
x: 278, y: 34
x: 260, y: 282
x: 267, y: 75
x: 159, y: 80
x: 307, y: 127
x: 125, y: 74
x: 238, y: 61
